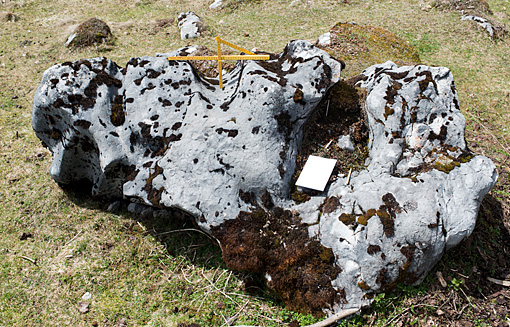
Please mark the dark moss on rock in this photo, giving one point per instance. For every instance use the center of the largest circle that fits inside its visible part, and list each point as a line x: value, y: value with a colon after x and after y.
x: 298, y: 96
x: 117, y: 115
x: 372, y: 249
x: 364, y: 286
x: 276, y: 243
x: 387, y: 213
x: 363, y: 220
x: 153, y: 194
x: 267, y: 200
x: 300, y: 197
x: 331, y: 204
x: 347, y: 219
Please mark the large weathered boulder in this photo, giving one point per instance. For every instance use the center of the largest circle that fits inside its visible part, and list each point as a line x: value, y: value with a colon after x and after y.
x: 157, y: 133
x: 477, y: 11
x: 466, y: 6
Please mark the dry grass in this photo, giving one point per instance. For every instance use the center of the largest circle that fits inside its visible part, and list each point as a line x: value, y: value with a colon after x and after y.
x: 136, y: 274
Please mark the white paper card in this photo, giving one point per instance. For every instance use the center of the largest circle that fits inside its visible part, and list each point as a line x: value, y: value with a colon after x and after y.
x: 316, y: 173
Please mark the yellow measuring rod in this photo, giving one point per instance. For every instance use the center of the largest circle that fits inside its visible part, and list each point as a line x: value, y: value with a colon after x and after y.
x: 249, y: 56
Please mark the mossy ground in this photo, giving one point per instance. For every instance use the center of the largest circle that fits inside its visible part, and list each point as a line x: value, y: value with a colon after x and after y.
x: 361, y: 46
x: 140, y: 276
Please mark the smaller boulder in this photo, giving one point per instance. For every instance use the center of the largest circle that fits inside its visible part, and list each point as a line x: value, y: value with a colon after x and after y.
x: 114, y: 207
x: 91, y: 32
x: 324, y: 39
x: 345, y: 143
x: 216, y: 4
x: 494, y: 29
x: 190, y: 24
x: 136, y: 208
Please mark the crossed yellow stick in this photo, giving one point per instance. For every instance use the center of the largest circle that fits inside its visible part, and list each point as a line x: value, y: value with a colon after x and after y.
x: 249, y: 56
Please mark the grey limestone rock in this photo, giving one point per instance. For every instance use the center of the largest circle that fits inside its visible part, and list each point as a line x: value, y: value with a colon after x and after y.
x: 114, y: 206
x: 345, y: 142
x: 484, y: 23
x: 419, y: 194
x: 215, y: 4
x: 324, y: 39
x: 159, y: 134
x: 190, y: 25
x: 494, y: 29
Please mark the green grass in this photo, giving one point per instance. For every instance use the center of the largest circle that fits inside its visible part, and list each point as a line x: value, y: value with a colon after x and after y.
x: 133, y: 270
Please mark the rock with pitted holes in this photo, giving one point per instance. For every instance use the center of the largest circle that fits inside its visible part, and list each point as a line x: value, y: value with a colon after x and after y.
x: 419, y: 194
x: 159, y: 134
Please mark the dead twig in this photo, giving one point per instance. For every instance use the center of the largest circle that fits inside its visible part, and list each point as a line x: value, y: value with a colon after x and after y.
x: 75, y: 236
x: 389, y: 323
x: 226, y: 283
x: 237, y: 313
x: 499, y: 281
x: 349, y: 177
x: 216, y: 288
x: 29, y: 259
x: 334, y: 318
x: 183, y: 274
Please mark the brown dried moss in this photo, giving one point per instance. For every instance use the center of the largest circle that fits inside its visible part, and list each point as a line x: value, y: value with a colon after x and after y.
x: 364, y: 286
x: 276, y: 243
x: 466, y: 6
x: 91, y: 32
x: 331, y: 204
x: 117, y: 116
x: 153, y: 194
